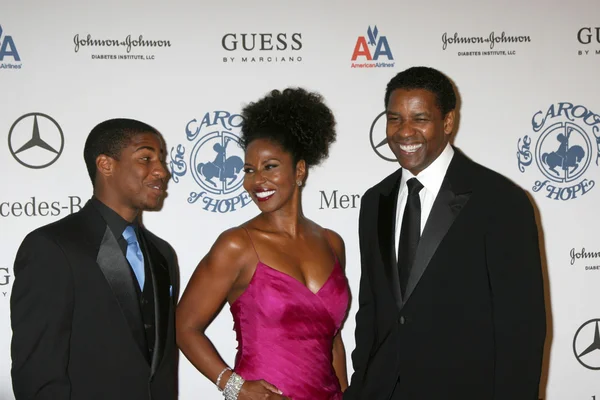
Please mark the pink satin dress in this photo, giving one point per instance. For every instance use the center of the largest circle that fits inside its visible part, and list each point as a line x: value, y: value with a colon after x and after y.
x: 285, y: 332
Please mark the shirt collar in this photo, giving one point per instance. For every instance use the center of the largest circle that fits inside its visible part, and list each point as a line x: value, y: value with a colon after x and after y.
x: 431, y: 177
x: 115, y: 222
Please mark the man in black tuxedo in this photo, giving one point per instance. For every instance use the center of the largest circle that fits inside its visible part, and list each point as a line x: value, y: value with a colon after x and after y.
x: 451, y: 295
x: 92, y: 306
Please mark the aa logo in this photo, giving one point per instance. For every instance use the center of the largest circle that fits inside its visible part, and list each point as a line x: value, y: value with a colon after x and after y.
x: 9, y: 55
x: 373, y: 50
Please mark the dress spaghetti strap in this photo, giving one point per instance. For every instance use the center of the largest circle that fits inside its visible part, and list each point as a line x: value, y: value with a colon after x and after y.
x: 335, y: 258
x: 252, y: 242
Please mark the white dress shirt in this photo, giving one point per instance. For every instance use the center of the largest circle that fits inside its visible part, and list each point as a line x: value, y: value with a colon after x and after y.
x: 431, y: 178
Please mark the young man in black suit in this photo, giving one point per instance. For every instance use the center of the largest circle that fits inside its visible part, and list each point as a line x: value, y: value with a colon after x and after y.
x: 451, y: 295
x: 92, y: 307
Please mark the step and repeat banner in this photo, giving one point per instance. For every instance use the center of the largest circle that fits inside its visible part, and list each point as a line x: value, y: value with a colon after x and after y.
x: 527, y: 74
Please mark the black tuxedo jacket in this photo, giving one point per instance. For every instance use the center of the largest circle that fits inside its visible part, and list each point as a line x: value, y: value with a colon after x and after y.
x: 76, y: 319
x: 471, y: 324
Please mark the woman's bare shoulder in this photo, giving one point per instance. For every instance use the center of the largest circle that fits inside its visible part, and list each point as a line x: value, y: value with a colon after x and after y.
x: 231, y: 245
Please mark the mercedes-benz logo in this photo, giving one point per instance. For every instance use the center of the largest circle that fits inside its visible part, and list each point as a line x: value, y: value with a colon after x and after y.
x: 586, y: 344
x: 379, y: 140
x: 36, y: 140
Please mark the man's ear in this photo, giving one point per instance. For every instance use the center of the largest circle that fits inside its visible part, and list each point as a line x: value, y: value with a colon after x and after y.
x: 449, y: 122
x: 105, y: 165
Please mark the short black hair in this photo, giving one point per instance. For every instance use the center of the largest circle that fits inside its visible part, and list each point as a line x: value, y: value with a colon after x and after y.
x: 110, y: 138
x: 297, y: 120
x: 425, y: 78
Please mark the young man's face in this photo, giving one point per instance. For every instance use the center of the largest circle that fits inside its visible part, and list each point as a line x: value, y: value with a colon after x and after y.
x: 139, y: 177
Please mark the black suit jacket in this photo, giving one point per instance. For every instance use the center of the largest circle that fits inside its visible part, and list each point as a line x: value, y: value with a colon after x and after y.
x: 472, y: 322
x: 76, y: 319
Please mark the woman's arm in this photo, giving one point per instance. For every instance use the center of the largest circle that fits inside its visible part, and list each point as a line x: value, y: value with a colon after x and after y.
x: 339, y: 361
x: 223, y: 274
x: 207, y: 290
x: 339, y: 351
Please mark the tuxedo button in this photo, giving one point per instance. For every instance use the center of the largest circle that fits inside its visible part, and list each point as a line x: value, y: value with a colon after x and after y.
x: 144, y: 301
x: 147, y: 326
x: 402, y: 320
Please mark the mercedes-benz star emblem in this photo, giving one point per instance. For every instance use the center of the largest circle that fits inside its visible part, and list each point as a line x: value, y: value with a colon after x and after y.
x: 379, y: 140
x: 586, y: 344
x: 36, y: 140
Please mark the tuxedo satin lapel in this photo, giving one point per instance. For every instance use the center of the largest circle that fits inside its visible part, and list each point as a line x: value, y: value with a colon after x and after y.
x: 452, y: 197
x: 116, y: 270
x: 163, y: 305
x: 386, y: 237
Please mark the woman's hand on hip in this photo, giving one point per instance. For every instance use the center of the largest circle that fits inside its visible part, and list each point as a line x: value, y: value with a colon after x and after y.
x: 260, y: 390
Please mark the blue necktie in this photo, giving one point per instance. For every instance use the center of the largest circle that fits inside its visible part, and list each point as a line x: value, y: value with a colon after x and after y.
x: 134, y: 255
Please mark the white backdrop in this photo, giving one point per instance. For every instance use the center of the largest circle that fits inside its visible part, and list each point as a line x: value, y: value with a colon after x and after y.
x: 526, y: 73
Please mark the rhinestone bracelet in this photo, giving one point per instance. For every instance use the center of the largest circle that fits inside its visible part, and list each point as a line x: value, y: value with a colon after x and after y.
x: 220, y: 376
x: 233, y: 387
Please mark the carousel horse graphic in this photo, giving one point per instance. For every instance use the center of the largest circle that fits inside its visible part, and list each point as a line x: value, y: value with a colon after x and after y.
x: 564, y: 157
x: 222, y: 167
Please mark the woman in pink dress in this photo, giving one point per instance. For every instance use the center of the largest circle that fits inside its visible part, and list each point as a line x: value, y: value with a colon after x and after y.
x: 282, y: 274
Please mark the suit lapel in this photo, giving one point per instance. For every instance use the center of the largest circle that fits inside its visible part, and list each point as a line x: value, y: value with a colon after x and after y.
x: 162, y: 300
x: 386, y: 222
x: 452, y: 197
x: 116, y: 270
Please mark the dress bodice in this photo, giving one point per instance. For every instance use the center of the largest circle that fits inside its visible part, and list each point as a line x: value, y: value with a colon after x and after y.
x: 285, y: 332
